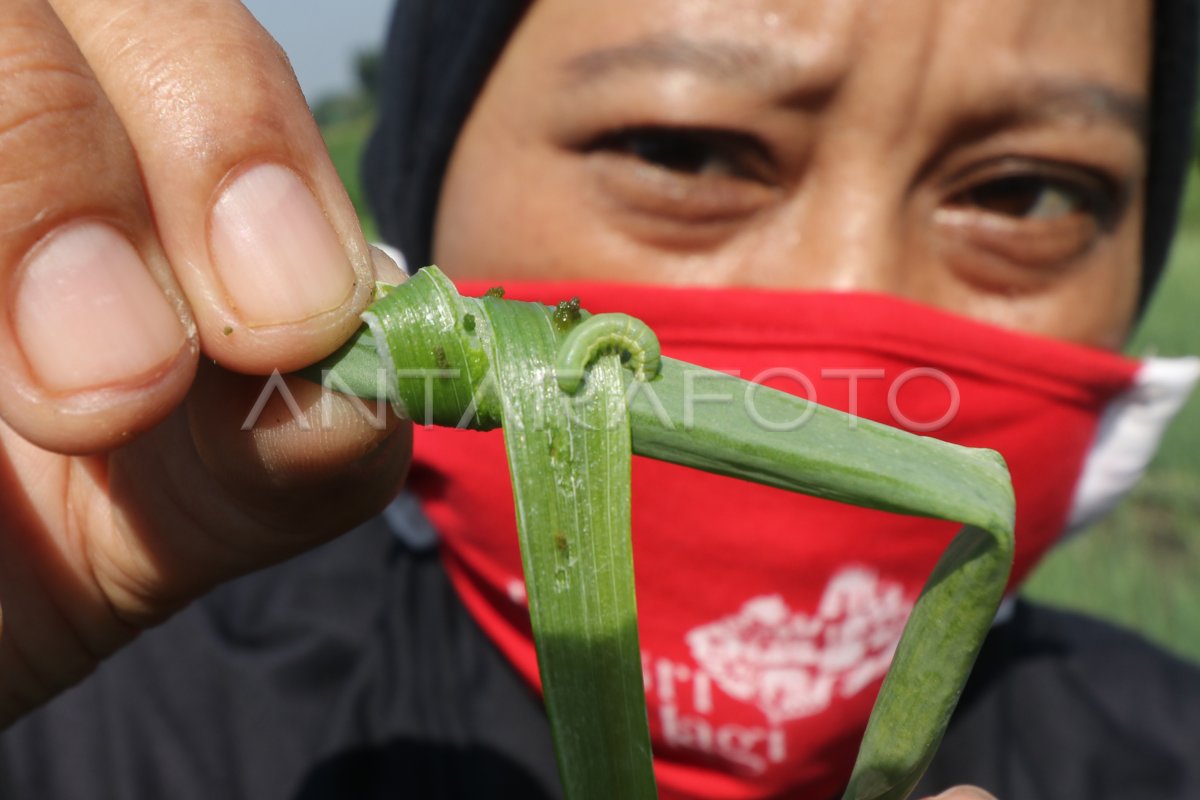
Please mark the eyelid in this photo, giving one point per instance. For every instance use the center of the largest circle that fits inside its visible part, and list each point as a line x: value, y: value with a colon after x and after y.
x: 750, y: 157
x: 1106, y: 192
x: 678, y: 209
x: 990, y: 245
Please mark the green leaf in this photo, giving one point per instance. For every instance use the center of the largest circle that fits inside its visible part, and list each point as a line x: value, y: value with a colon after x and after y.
x: 570, y: 474
x: 480, y: 362
x: 935, y: 655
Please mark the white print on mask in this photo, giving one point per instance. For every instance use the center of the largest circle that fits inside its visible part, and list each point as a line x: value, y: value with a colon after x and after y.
x: 673, y: 687
x: 792, y: 665
x: 788, y: 664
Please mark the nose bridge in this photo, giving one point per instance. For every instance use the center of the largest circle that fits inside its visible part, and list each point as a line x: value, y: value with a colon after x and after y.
x: 851, y: 209
x: 846, y: 229
x: 854, y: 218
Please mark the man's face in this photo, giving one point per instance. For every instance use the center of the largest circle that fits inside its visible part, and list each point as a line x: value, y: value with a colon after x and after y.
x: 979, y: 156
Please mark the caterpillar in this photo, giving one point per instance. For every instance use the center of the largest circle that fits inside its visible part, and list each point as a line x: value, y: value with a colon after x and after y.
x: 621, y: 333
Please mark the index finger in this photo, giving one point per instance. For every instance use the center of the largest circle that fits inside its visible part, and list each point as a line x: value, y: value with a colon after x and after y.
x: 249, y: 209
x: 96, y: 342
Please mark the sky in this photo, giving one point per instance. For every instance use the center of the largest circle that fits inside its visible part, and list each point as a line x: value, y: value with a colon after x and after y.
x: 321, y: 37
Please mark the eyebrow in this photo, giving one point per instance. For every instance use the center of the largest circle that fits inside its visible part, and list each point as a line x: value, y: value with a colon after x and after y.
x: 732, y: 61
x: 1085, y: 100
x: 717, y: 59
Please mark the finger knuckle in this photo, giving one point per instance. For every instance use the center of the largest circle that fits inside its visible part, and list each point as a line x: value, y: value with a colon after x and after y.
x: 43, y: 98
x: 56, y: 132
x: 212, y: 89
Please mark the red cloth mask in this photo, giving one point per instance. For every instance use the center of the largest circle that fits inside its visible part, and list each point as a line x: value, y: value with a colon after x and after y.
x: 768, y: 618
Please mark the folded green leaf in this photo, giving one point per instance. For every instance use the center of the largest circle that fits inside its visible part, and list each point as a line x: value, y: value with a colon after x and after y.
x: 486, y: 362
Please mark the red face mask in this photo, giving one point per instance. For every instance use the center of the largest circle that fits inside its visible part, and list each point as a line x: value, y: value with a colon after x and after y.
x: 768, y: 618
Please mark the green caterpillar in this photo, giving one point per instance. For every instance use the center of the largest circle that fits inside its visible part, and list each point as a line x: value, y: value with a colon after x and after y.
x: 602, y: 333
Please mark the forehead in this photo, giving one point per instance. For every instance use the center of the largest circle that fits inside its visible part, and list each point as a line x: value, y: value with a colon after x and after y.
x: 791, y: 45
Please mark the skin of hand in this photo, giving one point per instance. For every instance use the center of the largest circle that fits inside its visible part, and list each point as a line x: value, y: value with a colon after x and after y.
x: 963, y: 793
x: 171, y: 230
x: 985, y: 158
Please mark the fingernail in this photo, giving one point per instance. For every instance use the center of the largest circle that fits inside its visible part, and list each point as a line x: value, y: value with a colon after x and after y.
x: 386, y: 268
x: 88, y: 313
x: 274, y: 251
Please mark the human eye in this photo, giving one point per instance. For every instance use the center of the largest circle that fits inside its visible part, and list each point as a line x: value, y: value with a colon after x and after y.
x: 685, y: 174
x: 1022, y: 191
x: 689, y: 151
x: 1033, y: 213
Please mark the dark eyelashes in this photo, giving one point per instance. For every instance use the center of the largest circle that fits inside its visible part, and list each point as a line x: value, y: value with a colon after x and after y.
x: 1030, y: 208
x: 1002, y: 186
x: 691, y: 151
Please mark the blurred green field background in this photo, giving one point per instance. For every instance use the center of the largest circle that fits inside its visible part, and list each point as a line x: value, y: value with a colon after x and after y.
x: 345, y: 137
x: 1139, y: 568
